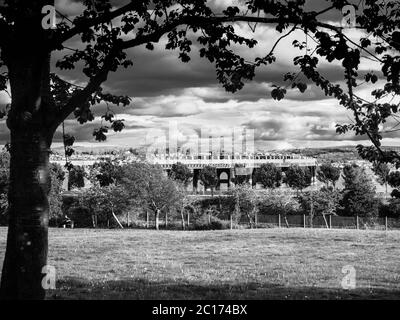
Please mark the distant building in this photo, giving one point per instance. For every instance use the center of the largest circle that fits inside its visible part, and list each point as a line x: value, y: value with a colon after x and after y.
x: 228, y: 165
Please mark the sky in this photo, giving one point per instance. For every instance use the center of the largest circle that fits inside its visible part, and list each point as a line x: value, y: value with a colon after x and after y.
x: 165, y: 91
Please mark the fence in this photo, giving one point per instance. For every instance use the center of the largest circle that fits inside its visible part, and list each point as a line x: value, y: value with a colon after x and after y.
x: 331, y: 222
x: 281, y: 221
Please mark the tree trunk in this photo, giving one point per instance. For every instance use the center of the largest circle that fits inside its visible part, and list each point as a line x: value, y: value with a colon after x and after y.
x: 250, y: 220
x: 27, y: 240
x: 31, y: 123
x: 386, y: 185
x: 116, y: 218
x: 157, y: 219
x: 183, y: 218
x: 326, y: 222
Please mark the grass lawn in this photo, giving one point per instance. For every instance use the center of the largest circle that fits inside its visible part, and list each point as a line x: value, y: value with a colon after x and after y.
x: 246, y: 264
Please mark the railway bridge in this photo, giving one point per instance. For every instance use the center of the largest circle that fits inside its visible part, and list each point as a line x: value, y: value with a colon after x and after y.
x: 228, y: 166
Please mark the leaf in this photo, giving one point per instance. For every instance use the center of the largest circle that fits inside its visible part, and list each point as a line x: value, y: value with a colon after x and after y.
x: 99, y: 134
x: 278, y: 93
x: 302, y: 87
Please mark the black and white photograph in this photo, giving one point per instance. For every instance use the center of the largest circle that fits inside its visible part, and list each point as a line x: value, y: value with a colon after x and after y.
x: 211, y: 152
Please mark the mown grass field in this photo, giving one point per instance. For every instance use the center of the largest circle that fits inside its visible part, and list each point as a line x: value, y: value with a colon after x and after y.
x: 245, y: 264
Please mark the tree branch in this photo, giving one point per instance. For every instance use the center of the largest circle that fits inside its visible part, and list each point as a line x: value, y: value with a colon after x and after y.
x: 168, y: 26
x: 81, y: 96
x: 204, y: 21
x: 84, y: 25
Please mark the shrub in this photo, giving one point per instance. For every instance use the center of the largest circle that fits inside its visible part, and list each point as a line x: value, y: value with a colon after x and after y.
x: 216, y: 224
x: 278, y: 204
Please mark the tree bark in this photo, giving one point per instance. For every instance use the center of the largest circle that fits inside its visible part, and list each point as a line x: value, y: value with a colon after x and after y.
x: 116, y: 218
x: 31, y: 129
x: 183, y: 218
x: 27, y: 240
x: 157, y: 215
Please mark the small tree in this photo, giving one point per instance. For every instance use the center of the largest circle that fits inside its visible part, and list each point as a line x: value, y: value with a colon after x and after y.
x: 323, y: 202
x: 269, y: 175
x: 358, y: 194
x: 382, y: 171
x: 105, y: 203
x: 245, y: 202
x: 180, y: 172
x: 148, y: 186
x: 209, y: 177
x: 297, y: 177
x: 182, y: 200
x: 328, y: 174
x: 278, y: 203
x: 161, y: 194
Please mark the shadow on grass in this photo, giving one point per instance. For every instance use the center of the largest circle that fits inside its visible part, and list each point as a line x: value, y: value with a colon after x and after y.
x: 137, y: 289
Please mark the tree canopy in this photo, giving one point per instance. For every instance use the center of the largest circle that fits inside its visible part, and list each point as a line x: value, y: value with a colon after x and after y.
x: 382, y: 171
x: 328, y: 174
x: 297, y: 177
x: 269, y: 175
x: 181, y: 173
x: 209, y: 177
x: 105, y: 172
x: 359, y: 193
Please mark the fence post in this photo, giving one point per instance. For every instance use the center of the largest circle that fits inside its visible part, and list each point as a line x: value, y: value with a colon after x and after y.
x: 304, y: 220
x: 188, y: 219
x: 386, y: 223
x: 330, y: 221
x: 357, y: 222
x: 279, y: 220
x: 147, y: 219
x: 231, y: 222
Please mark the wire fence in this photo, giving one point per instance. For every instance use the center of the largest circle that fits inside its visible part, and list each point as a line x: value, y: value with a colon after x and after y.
x: 274, y: 221
x: 330, y: 222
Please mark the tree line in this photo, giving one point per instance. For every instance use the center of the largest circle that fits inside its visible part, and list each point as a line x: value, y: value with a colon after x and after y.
x: 140, y: 189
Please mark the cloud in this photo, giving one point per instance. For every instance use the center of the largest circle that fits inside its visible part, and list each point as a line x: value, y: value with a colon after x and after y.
x: 165, y: 90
